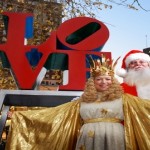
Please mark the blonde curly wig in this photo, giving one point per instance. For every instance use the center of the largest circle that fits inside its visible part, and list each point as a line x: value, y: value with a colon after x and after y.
x: 90, y: 94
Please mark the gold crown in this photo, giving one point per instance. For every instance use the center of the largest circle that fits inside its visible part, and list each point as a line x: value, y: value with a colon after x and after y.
x: 102, y: 67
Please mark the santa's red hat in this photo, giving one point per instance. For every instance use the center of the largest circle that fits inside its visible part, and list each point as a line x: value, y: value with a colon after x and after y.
x: 130, y: 56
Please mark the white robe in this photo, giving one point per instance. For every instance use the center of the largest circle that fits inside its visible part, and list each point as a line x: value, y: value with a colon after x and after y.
x: 101, y: 135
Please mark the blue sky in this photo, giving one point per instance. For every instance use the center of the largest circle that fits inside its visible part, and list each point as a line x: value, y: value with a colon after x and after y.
x: 128, y: 29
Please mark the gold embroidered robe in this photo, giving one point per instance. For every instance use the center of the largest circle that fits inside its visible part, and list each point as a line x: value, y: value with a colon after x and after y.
x: 57, y: 128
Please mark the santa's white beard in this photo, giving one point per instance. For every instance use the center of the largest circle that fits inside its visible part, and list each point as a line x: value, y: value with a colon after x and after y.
x: 138, y: 78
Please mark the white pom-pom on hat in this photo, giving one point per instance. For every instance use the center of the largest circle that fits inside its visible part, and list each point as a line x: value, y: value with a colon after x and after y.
x: 121, y: 72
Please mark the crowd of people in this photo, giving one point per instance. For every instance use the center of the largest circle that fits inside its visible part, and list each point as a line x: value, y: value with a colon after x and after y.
x: 107, y: 116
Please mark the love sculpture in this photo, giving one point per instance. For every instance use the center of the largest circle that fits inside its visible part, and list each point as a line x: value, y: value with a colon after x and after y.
x: 78, y: 37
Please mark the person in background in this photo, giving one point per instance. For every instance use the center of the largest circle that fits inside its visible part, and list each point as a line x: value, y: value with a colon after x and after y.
x: 136, y: 74
x: 93, y: 122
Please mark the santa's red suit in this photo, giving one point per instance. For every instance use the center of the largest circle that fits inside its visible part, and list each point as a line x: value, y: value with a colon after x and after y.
x: 129, y: 89
x: 141, y: 90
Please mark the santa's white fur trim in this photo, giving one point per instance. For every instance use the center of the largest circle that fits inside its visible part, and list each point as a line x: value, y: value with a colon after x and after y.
x: 142, y: 56
x: 121, y: 72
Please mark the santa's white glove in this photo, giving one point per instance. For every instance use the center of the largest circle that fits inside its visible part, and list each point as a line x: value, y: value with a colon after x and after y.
x: 76, y: 98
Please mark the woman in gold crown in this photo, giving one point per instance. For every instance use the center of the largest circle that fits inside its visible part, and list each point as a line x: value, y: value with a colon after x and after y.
x: 92, y: 122
x: 101, y: 110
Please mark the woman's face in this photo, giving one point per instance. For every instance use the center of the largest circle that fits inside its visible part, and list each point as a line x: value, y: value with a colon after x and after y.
x: 102, y: 83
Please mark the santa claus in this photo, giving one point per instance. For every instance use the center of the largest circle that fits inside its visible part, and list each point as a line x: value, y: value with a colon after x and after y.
x: 136, y: 74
